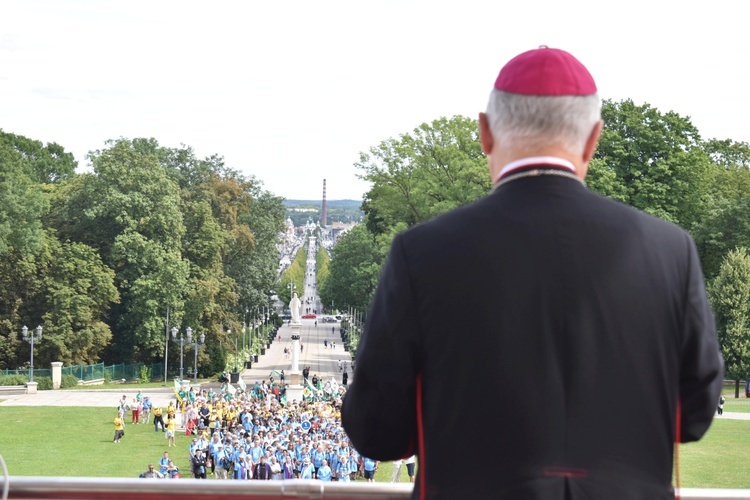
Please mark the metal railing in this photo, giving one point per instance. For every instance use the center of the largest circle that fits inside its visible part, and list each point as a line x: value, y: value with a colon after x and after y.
x: 85, y: 488
x: 24, y: 372
x: 116, y: 372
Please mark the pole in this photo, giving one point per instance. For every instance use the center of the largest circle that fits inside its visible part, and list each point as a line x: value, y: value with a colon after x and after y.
x: 195, y: 364
x: 31, y: 369
x: 182, y: 343
x: 166, y: 348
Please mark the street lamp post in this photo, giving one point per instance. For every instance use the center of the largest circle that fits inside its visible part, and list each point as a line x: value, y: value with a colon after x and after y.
x: 196, y: 346
x: 34, y: 337
x: 236, y: 352
x: 182, y: 341
x: 266, y: 316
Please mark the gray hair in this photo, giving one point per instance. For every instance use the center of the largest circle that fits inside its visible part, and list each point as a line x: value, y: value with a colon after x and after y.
x: 536, y: 121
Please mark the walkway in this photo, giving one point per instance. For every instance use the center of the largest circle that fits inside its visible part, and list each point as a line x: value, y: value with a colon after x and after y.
x: 323, y: 361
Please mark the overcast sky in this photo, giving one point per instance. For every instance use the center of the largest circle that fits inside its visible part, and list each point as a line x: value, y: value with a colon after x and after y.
x: 292, y: 91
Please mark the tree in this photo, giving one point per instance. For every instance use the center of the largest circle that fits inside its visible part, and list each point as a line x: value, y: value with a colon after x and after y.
x: 256, y: 271
x: 652, y: 161
x: 729, y: 293
x: 725, y: 223
x: 19, y: 279
x: 354, y: 270
x: 322, y: 267
x: 129, y: 210
x: 46, y: 164
x: 76, y: 294
x: 295, y: 273
x: 439, y: 166
x: 22, y: 203
x: 121, y: 233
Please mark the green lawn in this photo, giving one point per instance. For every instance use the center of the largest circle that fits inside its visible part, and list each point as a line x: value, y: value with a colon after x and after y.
x: 64, y: 441
x: 80, y: 442
x: 720, y: 459
x: 737, y: 407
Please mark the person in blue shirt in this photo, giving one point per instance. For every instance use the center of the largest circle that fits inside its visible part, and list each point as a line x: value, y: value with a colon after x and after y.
x: 318, y: 455
x: 344, y: 470
x: 247, y: 422
x: 146, y: 412
x: 344, y: 448
x: 256, y: 451
x: 306, y: 471
x: 303, y: 453
x: 219, y: 462
x: 163, y: 463
x: 325, y: 472
x: 370, y: 467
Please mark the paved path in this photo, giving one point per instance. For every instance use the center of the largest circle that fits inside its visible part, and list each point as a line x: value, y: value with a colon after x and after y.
x: 93, y: 397
x: 321, y: 360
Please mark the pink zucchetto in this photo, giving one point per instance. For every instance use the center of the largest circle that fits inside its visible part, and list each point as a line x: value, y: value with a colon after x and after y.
x: 545, y: 72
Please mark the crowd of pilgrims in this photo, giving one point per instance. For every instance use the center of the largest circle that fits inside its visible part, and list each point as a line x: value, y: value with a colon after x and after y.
x: 252, y: 436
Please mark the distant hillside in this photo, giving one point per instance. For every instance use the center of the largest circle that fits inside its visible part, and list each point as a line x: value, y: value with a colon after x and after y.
x: 318, y: 203
x: 300, y: 211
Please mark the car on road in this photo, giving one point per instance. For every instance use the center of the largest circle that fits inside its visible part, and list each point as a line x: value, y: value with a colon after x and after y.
x: 309, y: 316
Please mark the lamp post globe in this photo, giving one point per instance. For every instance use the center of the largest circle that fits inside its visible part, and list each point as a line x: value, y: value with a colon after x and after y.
x: 181, y: 342
x: 196, y: 346
x: 34, y: 337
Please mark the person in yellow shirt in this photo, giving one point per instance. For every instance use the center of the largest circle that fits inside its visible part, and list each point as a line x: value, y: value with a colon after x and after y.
x: 158, y: 419
x: 230, y: 416
x: 119, y: 428
x: 171, y: 410
x: 171, y: 429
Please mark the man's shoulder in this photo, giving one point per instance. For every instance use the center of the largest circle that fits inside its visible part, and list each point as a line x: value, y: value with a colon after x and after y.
x: 478, y: 217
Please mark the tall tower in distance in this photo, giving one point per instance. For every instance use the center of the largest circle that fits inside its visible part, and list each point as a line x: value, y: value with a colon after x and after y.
x: 324, y: 214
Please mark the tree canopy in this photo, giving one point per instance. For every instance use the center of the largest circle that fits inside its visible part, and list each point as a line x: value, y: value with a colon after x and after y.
x: 100, y: 258
x: 654, y: 161
x: 354, y: 270
x: 729, y: 293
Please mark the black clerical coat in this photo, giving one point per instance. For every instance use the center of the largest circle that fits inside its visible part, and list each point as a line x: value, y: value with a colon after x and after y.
x: 544, y: 335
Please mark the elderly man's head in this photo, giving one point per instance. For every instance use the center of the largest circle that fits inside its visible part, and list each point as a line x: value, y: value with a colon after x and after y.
x: 544, y: 103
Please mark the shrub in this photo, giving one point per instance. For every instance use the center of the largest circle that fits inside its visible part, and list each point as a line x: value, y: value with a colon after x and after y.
x: 44, y: 383
x: 13, y: 379
x: 145, y: 375
x: 68, y: 380
x: 107, y: 376
x: 217, y: 359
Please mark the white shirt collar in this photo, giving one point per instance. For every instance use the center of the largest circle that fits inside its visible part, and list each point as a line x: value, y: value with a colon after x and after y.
x: 535, y: 160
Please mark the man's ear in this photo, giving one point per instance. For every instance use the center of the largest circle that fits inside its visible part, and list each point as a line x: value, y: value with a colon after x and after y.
x: 591, y: 142
x: 485, y: 134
